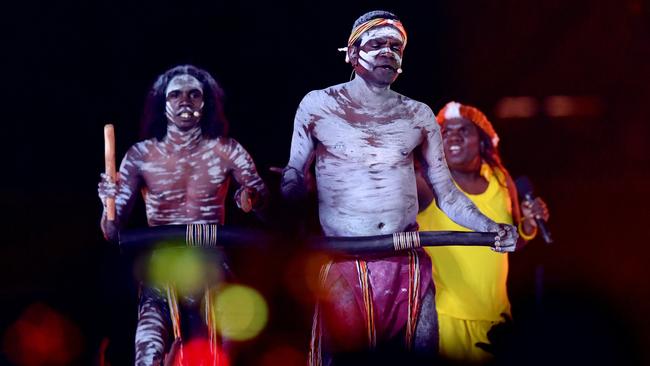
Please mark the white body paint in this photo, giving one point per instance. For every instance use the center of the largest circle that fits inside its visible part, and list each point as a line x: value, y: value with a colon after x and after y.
x: 364, y: 141
x: 184, y: 178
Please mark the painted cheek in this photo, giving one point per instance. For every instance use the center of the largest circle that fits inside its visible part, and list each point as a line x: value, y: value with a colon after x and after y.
x: 169, y: 110
x: 367, y: 59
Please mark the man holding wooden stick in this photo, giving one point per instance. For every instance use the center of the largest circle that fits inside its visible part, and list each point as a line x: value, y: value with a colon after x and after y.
x: 183, y: 168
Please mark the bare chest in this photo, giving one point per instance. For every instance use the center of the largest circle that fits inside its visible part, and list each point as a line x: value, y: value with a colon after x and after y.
x: 387, y: 139
x: 184, y: 175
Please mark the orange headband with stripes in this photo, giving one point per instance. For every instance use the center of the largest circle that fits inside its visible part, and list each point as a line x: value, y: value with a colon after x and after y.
x: 378, y: 22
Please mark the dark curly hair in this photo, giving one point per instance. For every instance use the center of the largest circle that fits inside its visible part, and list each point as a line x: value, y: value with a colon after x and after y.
x: 213, y: 121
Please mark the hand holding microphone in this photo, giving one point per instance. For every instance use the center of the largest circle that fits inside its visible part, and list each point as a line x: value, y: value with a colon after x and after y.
x: 533, y: 209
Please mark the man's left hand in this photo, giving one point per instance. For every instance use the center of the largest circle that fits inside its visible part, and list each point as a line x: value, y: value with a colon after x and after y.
x: 506, y: 238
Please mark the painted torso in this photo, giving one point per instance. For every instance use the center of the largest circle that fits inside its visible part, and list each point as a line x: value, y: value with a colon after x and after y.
x: 185, y: 181
x: 364, y: 160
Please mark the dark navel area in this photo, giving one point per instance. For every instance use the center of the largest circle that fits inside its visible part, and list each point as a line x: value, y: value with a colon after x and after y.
x: 380, y: 225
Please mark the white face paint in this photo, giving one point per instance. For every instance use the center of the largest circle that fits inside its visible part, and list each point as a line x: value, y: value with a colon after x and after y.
x: 174, y: 111
x: 367, y: 59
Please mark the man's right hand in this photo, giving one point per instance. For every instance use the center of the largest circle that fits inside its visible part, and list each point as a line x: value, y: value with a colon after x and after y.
x: 107, y: 188
x: 293, y: 184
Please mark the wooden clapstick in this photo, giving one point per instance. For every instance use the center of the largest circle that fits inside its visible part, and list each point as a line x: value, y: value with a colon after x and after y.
x: 109, y: 163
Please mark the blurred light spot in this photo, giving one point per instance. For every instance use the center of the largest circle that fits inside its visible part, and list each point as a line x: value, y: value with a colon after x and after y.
x: 240, y: 312
x: 516, y: 107
x: 188, y: 269
x: 313, y: 267
x: 572, y: 106
x: 197, y: 352
x: 301, y: 276
x: 103, y: 346
x: 283, y: 355
x: 42, y: 336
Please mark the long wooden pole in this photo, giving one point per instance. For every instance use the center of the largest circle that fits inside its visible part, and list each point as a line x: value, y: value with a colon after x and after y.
x: 109, y: 163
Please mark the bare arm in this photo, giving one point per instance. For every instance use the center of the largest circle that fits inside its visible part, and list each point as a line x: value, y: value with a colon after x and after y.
x: 124, y: 190
x: 244, y: 171
x: 448, y: 197
x: 302, y: 146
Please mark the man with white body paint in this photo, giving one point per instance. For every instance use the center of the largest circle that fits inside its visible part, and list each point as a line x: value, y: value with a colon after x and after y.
x: 183, y: 169
x: 364, y: 136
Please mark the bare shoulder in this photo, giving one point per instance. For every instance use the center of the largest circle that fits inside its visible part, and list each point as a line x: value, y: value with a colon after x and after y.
x: 320, y: 96
x: 222, y: 144
x: 318, y: 103
x: 226, y: 146
x: 422, y: 113
x: 416, y: 106
x: 141, y: 149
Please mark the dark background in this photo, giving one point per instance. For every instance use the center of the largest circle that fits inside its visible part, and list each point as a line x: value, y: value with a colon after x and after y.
x: 72, y: 66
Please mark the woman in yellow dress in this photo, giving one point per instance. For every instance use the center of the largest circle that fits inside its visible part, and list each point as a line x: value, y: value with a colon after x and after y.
x: 470, y: 282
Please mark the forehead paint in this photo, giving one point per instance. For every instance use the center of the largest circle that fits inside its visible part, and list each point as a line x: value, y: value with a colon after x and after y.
x: 379, y: 32
x: 179, y: 82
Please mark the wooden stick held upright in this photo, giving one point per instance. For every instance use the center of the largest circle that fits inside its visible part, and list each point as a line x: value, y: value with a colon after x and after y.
x: 109, y: 163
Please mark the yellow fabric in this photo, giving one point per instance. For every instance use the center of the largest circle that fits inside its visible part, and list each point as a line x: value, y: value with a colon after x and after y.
x: 458, y: 339
x: 471, y: 281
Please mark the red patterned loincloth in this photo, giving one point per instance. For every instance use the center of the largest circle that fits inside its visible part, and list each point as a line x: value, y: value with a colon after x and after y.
x: 387, y: 290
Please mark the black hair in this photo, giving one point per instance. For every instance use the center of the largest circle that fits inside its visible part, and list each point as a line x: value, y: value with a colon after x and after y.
x: 213, y: 121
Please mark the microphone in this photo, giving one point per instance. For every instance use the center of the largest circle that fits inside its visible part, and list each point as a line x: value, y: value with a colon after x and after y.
x: 525, y: 189
x: 399, y: 71
x: 196, y: 113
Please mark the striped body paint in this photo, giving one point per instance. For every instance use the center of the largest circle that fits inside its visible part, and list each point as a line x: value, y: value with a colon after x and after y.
x: 184, y: 178
x: 364, y: 139
x: 153, y: 331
